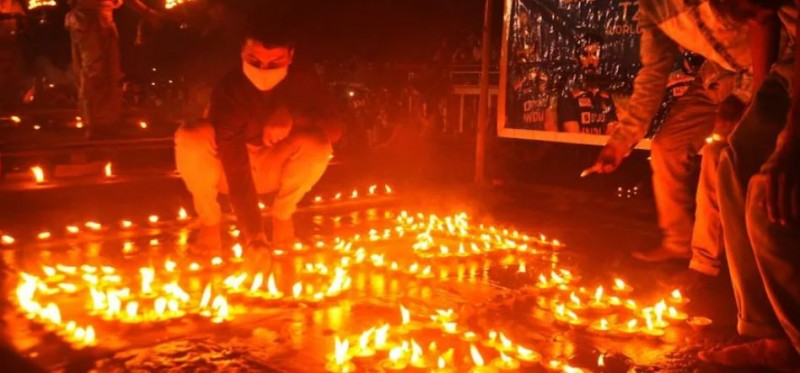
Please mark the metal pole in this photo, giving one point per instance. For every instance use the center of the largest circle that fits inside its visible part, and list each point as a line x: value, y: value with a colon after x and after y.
x: 483, y: 100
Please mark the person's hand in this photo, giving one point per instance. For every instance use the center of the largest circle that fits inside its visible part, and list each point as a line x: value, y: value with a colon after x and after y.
x: 783, y: 181
x: 608, y: 161
x: 258, y: 257
x: 278, y: 127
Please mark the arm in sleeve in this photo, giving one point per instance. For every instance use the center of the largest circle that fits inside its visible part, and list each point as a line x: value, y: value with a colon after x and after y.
x: 657, y: 53
x: 230, y: 131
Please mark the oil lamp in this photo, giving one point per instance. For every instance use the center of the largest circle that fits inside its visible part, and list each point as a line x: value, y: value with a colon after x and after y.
x: 341, y: 358
x: 674, y: 314
x: 479, y: 364
x: 699, y: 323
x: 677, y: 298
x: 620, y: 287
x: 397, y: 359
x: 505, y: 362
x: 526, y: 355
x: 630, y: 328
x: 364, y: 350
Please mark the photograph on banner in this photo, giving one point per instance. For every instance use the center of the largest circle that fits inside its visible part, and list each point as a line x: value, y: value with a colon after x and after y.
x: 567, y: 70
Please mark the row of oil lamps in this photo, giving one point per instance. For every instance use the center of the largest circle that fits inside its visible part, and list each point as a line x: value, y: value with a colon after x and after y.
x: 182, y: 215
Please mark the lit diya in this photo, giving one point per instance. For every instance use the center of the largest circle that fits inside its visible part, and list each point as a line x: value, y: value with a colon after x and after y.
x: 406, y: 324
x: 477, y: 360
x: 528, y: 356
x: 340, y: 362
x: 677, y: 298
x: 397, y: 359
x: 597, y: 304
x: 630, y: 328
x: 417, y: 358
x: 469, y: 336
x: 575, y: 302
x: 364, y: 350
x: 505, y: 362
x: 442, y: 367
x: 492, y: 340
x: 698, y: 323
x: 674, y: 314
x: 650, y: 329
x: 621, y: 287
x: 505, y: 344
x: 600, y: 327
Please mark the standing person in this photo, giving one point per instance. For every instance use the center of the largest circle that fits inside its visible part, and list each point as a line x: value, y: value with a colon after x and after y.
x: 11, y: 15
x: 689, y: 220
x: 96, y: 60
x: 759, y: 193
x: 270, y: 129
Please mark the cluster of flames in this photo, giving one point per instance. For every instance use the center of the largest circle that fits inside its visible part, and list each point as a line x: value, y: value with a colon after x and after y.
x: 159, y: 293
x: 169, y: 4
x: 33, y: 4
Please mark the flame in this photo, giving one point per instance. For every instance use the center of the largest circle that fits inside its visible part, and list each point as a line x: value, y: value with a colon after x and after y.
x: 42, y: 235
x: 619, y: 284
x: 258, y: 280
x: 194, y: 267
x: 505, y: 342
x: 601, y: 361
x: 396, y: 354
x: 676, y: 295
x: 632, y: 324
x: 169, y: 265
x: 341, y: 351
x: 93, y: 225
x: 524, y: 352
x: 143, y: 124
x: 148, y: 274
x: 372, y: 189
x: 317, y: 199
x: 297, y: 289
x: 649, y: 320
x: 153, y: 219
x: 220, y: 305
x: 416, y: 351
x: 206, y: 297
x: 354, y: 194
x: 272, y: 289
x: 477, y: 359
x: 450, y: 327
x: 363, y: 340
x: 603, y: 324
x: 237, y: 251
x: 261, y: 205
x: 131, y: 309
x: 388, y: 189
x: 404, y: 315
x: 216, y: 261
x: 107, y: 170
x: 126, y: 224
x: 182, y: 214
x: 522, y: 268
x: 38, y: 174
x: 73, y: 229
x: 160, y: 306
x: 381, y: 335
x: 574, y: 299
x: 440, y: 363
x: 89, y: 338
x: 7, y: 240
x: 598, y: 294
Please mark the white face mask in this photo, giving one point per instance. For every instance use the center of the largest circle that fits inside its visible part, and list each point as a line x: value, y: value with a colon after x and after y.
x: 264, y: 80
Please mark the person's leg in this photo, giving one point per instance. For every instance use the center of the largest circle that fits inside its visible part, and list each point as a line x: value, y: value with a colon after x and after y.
x: 291, y: 168
x: 201, y: 171
x: 761, y: 259
x: 707, y: 239
x: 99, y: 68
x: 777, y: 255
x: 675, y: 171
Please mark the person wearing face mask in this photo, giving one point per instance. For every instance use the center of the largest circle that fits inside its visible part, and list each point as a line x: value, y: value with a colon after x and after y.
x: 269, y: 129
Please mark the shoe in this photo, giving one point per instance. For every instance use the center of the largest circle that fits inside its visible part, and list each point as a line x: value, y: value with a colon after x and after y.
x: 777, y: 354
x: 283, y: 232
x: 660, y: 254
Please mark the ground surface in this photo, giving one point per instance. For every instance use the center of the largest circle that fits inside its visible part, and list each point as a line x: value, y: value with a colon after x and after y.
x: 598, y: 228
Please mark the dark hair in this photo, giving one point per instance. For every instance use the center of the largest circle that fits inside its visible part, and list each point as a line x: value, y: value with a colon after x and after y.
x: 273, y: 24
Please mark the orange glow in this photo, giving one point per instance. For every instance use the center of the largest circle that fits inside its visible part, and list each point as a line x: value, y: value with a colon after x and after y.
x: 601, y: 361
x: 258, y: 280
x: 43, y: 235
x: 404, y: 315
x: 38, y: 174
x: 598, y: 295
x: 142, y: 125
x: 297, y: 289
x: 153, y: 219
x: 341, y: 351
x: 505, y: 343
x: 125, y: 224
x: 272, y: 289
x: 381, y: 336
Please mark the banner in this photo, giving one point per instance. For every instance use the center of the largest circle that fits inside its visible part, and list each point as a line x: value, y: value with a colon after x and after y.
x: 567, y: 69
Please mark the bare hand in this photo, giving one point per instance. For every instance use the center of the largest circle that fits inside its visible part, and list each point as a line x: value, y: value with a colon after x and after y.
x: 607, y: 162
x: 783, y: 182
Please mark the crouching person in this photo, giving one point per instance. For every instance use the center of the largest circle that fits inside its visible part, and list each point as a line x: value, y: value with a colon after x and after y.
x: 270, y: 128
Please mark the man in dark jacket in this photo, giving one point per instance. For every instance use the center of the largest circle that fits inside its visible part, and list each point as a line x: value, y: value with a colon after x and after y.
x: 269, y: 129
